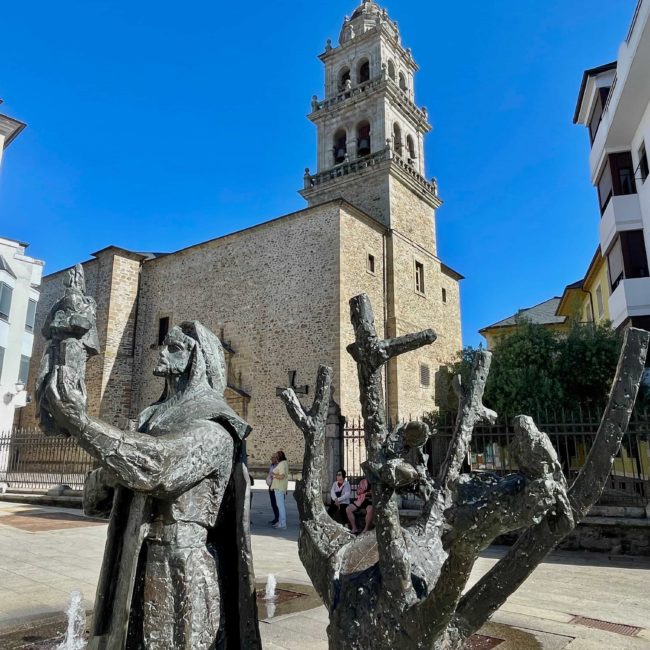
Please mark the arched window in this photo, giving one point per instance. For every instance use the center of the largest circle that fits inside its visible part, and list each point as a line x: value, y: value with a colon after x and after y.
x: 397, y: 138
x: 391, y: 69
x: 363, y: 71
x: 410, y: 145
x: 340, y: 146
x: 402, y: 81
x: 344, y: 77
x: 363, y: 139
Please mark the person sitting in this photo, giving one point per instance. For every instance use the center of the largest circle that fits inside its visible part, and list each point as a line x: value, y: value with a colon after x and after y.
x: 340, y: 494
x: 363, y: 500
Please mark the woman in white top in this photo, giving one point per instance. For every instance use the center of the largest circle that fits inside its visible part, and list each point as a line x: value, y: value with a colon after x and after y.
x: 340, y: 494
x: 279, y: 485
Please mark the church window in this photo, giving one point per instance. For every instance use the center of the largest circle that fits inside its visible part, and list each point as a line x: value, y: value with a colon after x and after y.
x: 444, y: 295
x: 419, y: 277
x: 425, y: 375
x: 397, y: 138
x: 344, y: 77
x: 402, y: 81
x: 410, y: 145
x: 363, y: 71
x: 340, y: 146
x: 163, y: 328
x: 363, y: 138
x: 391, y: 70
x: 371, y: 264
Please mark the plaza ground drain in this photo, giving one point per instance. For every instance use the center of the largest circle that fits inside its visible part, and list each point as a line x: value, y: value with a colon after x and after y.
x: 606, y: 626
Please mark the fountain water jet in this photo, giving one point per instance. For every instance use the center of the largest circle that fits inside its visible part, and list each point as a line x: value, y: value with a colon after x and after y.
x: 74, y: 636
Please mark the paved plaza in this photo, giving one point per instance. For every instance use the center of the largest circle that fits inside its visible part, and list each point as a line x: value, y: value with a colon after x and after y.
x: 47, y: 552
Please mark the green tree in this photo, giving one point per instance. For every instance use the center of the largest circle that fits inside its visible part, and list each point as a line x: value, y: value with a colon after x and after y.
x: 525, y: 374
x: 587, y: 363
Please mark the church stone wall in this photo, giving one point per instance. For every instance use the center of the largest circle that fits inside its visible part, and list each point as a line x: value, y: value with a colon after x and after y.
x: 414, y: 312
x: 272, y: 292
x: 411, y: 216
x: 360, y: 237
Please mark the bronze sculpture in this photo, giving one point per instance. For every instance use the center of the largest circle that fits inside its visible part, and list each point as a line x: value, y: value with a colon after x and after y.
x: 178, y: 496
x: 401, y: 588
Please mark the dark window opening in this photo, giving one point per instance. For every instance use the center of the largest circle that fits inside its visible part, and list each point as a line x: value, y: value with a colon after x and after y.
x: 364, y: 71
x: 643, y: 163
x: 31, y: 315
x: 163, y: 329
x: 6, y: 292
x: 627, y: 258
x: 410, y: 145
x: 425, y: 375
x: 397, y: 138
x: 363, y: 139
x: 444, y: 295
x: 344, y: 77
x: 2, y: 360
x: 617, y: 178
x: 23, y: 372
x: 371, y: 263
x: 340, y: 146
x: 597, y: 113
x: 419, y: 277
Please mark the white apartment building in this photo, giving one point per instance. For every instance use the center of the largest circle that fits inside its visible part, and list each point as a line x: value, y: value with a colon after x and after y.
x: 614, y: 105
x: 20, y: 277
x: 9, y: 130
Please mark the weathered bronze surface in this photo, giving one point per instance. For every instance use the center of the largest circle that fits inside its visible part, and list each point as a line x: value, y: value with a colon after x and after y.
x: 399, y: 588
x: 177, y: 570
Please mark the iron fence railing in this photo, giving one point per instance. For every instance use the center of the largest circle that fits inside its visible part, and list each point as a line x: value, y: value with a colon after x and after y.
x: 31, y: 460
x: 572, y: 435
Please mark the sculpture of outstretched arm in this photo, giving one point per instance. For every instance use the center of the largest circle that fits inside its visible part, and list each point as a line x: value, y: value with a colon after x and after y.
x: 162, y: 466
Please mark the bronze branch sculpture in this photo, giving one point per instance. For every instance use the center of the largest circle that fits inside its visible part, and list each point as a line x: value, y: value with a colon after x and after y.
x: 401, y: 588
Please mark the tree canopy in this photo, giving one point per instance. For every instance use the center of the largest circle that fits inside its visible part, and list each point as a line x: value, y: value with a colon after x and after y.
x: 534, y: 368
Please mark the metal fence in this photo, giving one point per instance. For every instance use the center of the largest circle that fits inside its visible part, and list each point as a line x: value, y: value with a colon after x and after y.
x: 31, y: 460
x: 572, y: 435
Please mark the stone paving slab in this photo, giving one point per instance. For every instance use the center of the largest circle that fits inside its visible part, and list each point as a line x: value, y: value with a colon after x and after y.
x: 38, y: 569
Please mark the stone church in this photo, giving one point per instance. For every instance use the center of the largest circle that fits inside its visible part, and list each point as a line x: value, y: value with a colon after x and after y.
x: 278, y: 293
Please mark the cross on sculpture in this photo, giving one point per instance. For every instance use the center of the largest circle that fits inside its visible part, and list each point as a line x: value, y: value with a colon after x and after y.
x: 298, y: 390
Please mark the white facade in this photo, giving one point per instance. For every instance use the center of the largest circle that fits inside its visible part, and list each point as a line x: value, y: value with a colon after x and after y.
x: 614, y: 104
x: 20, y: 277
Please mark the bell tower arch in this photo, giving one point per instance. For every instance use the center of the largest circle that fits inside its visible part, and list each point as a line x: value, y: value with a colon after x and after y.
x: 370, y: 129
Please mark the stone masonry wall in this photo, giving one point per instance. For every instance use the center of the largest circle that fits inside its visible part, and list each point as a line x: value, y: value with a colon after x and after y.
x: 272, y: 291
x: 360, y: 237
x: 414, y: 311
x: 412, y: 217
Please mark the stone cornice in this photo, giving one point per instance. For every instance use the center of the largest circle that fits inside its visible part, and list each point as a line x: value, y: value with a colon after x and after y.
x: 347, y: 99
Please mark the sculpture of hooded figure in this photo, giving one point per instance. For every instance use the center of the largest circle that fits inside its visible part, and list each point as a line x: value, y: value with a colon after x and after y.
x: 177, y: 570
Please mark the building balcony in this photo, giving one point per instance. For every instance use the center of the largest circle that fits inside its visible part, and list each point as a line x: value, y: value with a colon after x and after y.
x: 622, y: 213
x: 630, y: 298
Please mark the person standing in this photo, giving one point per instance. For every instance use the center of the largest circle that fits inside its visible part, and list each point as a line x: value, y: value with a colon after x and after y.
x: 269, y: 482
x: 280, y: 486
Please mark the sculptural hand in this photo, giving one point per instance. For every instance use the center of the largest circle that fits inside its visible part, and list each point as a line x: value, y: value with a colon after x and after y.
x: 66, y: 402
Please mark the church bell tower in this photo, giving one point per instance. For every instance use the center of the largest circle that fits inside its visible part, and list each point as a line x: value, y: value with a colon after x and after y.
x: 371, y: 131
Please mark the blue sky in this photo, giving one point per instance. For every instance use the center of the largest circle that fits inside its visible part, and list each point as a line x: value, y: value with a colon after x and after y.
x: 156, y: 125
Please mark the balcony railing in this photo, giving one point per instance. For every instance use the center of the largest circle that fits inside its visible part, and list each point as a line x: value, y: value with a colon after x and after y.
x: 378, y: 82
x: 353, y: 166
x: 634, y: 19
